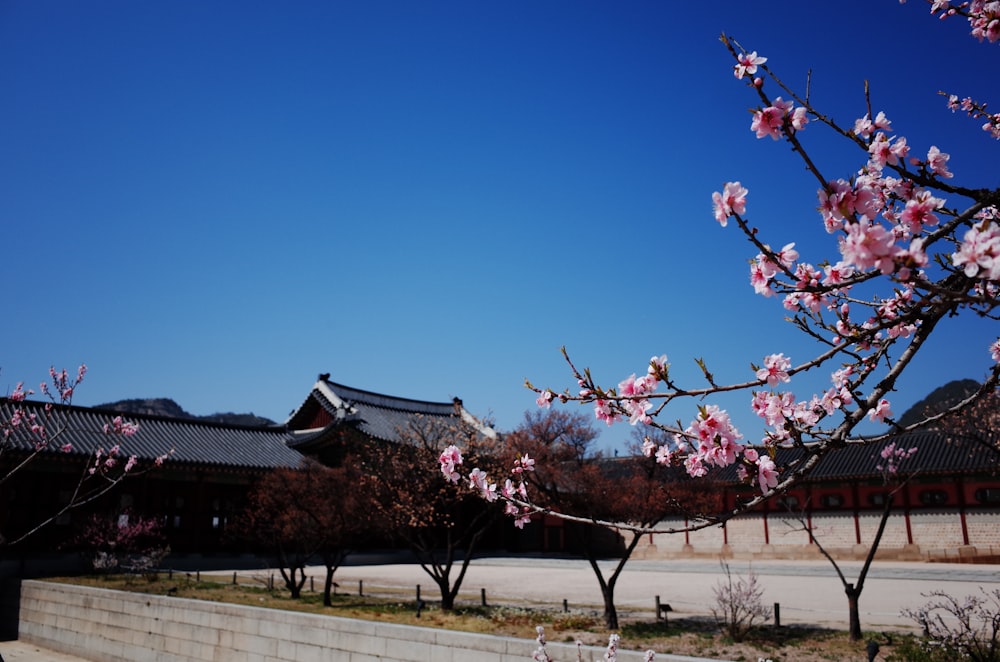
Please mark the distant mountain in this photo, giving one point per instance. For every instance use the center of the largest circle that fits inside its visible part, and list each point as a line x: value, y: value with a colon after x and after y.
x: 169, y: 409
x: 940, y: 399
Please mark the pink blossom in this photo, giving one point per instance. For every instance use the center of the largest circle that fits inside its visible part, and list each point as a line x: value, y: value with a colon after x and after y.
x: 648, y: 447
x: 664, y: 455
x: 867, y: 245
x: 450, y: 459
x: 767, y: 474
x: 19, y: 393
x: 995, y: 351
x: 478, y: 480
x: 937, y: 161
x: 747, y: 64
x: 837, y: 274
x: 880, y: 412
x: 732, y: 200
x: 523, y: 463
x: 525, y: 518
x: 634, y: 389
x: 760, y: 277
x: 798, y: 118
x: 979, y: 253
x: 892, y: 457
x: 885, y: 150
x: 835, y: 398
x: 657, y: 365
x: 774, y: 408
x: 694, y: 467
x: 918, y: 213
x: 544, y: 399
x: 775, y: 369
x: 768, y: 122
x: 604, y: 412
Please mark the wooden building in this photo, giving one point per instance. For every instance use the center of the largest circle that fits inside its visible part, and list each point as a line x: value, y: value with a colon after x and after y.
x: 947, y: 509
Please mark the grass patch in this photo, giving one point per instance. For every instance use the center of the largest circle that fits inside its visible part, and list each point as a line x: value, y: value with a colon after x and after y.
x: 681, y: 635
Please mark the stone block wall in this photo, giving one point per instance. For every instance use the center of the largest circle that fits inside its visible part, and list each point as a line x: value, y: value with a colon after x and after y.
x: 115, y: 626
x: 937, y: 535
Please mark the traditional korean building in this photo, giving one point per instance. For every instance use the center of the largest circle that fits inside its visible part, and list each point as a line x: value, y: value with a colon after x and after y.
x: 196, y: 491
x: 948, y: 508
x: 209, y: 468
x: 333, y: 414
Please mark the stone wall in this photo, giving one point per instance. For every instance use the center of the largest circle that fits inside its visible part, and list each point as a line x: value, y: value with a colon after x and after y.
x: 115, y: 626
x: 937, y: 535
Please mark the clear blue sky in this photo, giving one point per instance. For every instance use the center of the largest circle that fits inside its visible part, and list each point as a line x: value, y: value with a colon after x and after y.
x: 216, y: 201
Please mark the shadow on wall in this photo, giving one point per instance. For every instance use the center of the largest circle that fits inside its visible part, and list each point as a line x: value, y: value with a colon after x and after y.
x: 10, y: 608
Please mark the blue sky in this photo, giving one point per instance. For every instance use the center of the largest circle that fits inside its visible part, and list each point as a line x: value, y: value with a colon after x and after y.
x: 215, y: 202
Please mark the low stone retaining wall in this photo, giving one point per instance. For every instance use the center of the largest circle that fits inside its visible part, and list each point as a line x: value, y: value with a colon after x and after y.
x: 116, y: 626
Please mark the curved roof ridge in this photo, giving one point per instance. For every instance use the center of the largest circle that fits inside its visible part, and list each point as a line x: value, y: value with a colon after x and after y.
x: 352, y: 395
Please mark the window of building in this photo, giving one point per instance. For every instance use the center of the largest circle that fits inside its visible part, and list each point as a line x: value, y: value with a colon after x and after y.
x: 988, y: 495
x: 789, y: 502
x: 832, y: 500
x: 933, y: 497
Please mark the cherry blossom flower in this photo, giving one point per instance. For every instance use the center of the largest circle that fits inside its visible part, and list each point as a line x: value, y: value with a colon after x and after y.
x: 892, y: 457
x: 775, y: 369
x: 919, y: 212
x: 450, y: 459
x: 979, y: 253
x: 747, y: 64
x: 603, y: 412
x: 995, y: 351
x: 937, y: 161
x: 767, y: 474
x: 769, y: 121
x: 732, y: 200
x: 544, y: 399
x: 523, y: 463
x: 478, y: 480
x: 869, y: 245
x: 880, y: 412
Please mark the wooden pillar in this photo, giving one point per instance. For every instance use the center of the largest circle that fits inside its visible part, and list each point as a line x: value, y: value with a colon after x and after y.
x: 906, y: 515
x: 960, y: 488
x: 767, y: 534
x: 857, y: 514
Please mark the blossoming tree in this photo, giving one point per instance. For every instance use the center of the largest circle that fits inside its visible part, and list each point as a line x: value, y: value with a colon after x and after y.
x: 910, y: 248
x: 553, y: 449
x: 27, y: 432
x: 421, y: 509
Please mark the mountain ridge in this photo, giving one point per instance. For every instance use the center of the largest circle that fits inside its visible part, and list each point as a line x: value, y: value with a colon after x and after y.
x: 168, y: 408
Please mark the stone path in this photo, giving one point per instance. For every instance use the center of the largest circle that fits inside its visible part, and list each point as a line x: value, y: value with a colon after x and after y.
x: 19, y: 651
x: 809, y: 592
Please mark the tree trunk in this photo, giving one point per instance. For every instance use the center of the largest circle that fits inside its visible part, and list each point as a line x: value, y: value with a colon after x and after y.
x: 610, y: 612
x: 447, y: 595
x: 854, y: 616
x: 293, y: 584
x: 328, y: 586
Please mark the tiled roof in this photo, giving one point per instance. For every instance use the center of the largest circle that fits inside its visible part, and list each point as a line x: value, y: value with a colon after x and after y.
x: 192, y: 441
x: 377, y: 415
x: 936, y: 454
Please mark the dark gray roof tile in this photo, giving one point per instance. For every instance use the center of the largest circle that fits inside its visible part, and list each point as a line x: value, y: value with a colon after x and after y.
x: 192, y: 441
